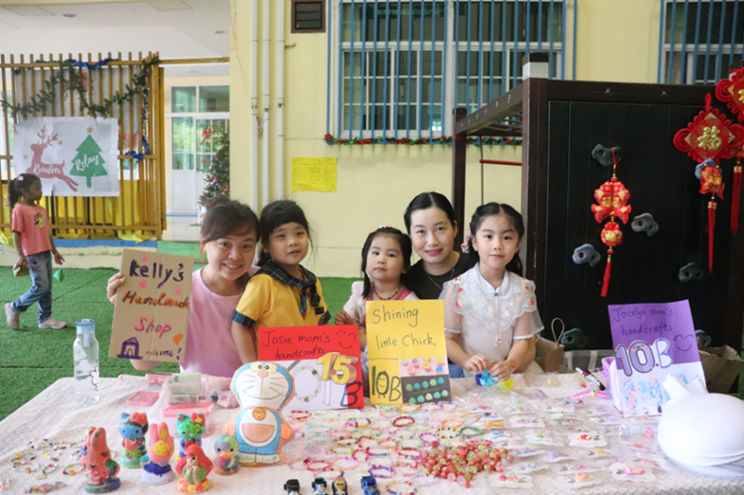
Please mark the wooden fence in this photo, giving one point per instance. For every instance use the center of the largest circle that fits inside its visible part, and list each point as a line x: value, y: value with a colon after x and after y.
x: 129, y: 89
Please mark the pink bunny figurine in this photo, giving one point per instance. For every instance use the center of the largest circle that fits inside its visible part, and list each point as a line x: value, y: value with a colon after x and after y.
x: 157, y: 470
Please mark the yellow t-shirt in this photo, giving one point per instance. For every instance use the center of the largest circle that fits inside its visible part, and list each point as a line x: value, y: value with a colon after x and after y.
x: 266, y: 302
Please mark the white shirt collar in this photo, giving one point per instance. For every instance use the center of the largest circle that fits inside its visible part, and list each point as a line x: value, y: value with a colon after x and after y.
x: 488, y: 289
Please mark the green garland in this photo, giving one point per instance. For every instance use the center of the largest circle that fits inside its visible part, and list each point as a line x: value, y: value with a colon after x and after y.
x: 68, y: 75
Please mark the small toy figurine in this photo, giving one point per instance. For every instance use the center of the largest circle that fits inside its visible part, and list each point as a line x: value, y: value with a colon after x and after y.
x: 320, y: 487
x: 193, y: 469
x: 339, y: 485
x: 262, y: 389
x: 157, y: 470
x: 132, y: 429
x: 226, y: 461
x: 292, y: 487
x: 97, y: 460
x: 369, y: 485
x: 190, y: 430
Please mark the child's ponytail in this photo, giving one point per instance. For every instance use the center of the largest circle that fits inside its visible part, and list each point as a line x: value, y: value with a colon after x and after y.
x: 18, y: 185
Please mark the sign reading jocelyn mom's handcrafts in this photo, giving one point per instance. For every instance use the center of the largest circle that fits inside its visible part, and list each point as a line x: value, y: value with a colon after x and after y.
x: 152, y: 307
x: 407, y: 352
x: 323, y: 361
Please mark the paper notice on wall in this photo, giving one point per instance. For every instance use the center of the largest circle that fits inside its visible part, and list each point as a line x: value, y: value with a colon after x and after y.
x: 314, y: 174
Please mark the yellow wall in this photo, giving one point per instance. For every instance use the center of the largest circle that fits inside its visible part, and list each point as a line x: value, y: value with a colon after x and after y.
x: 617, y: 41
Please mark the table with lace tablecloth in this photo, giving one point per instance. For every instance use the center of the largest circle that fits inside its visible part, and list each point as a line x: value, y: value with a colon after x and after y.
x: 536, y: 422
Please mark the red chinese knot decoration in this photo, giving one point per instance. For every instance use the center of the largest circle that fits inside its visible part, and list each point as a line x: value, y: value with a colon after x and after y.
x: 612, y: 202
x: 731, y: 92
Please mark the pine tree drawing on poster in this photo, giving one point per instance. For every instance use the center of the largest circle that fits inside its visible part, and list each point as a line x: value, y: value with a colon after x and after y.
x: 217, y: 180
x: 88, y: 162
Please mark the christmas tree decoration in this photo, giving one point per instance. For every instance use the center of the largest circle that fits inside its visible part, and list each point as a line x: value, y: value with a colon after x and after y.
x: 612, y: 202
x: 217, y: 181
x: 88, y: 162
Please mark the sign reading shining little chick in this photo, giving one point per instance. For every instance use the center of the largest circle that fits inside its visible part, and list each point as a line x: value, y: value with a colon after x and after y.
x: 407, y: 352
x: 151, y: 312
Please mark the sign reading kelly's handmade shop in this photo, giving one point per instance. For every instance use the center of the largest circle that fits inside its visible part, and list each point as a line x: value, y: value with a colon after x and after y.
x: 323, y: 360
x: 73, y: 156
x: 152, y: 307
x: 407, y: 352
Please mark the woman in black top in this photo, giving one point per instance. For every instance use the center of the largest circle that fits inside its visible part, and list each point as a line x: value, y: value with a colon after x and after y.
x: 430, y: 221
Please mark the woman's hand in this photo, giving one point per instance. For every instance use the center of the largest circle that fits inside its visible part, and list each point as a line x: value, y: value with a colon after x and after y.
x: 344, y: 318
x: 476, y: 363
x: 503, y: 370
x: 116, y: 280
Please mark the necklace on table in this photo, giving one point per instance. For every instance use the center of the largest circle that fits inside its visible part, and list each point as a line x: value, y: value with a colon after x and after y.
x: 395, y: 294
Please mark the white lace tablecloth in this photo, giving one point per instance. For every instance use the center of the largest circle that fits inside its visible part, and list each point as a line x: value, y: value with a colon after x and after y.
x: 53, y: 415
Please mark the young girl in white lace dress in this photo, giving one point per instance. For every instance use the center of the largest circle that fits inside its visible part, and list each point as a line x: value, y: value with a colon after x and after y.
x: 490, y: 312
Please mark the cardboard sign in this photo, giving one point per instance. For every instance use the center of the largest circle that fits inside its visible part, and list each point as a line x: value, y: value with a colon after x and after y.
x: 152, y: 307
x: 407, y: 352
x: 323, y: 360
x: 651, y: 341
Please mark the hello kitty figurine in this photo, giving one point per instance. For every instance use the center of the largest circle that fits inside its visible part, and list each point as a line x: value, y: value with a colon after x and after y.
x: 159, y: 450
x: 262, y: 389
x: 133, y: 429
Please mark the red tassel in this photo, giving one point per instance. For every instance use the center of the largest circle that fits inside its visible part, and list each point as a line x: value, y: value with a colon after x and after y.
x: 735, y: 198
x: 608, y: 269
x: 711, y: 231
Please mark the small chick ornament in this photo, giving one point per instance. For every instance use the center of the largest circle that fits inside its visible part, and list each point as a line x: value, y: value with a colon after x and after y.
x: 157, y: 470
x: 226, y: 462
x: 193, y: 469
x: 262, y: 389
x: 102, y: 470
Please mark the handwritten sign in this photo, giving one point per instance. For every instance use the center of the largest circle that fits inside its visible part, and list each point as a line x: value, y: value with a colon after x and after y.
x: 651, y: 342
x: 151, y: 313
x: 407, y: 352
x: 323, y: 361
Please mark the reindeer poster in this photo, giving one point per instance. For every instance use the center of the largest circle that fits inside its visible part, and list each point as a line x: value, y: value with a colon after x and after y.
x: 73, y: 156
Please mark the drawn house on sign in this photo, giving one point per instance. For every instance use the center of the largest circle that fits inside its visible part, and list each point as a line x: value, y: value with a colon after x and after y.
x: 130, y: 349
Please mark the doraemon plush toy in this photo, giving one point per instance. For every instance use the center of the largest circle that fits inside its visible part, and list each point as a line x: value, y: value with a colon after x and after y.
x: 262, y: 389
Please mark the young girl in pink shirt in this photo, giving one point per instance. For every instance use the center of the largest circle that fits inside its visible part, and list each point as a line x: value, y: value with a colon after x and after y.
x: 228, y: 237
x: 32, y: 236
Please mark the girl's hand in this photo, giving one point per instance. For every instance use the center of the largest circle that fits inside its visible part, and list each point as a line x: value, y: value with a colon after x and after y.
x: 476, y: 363
x: 503, y: 370
x: 58, y: 258
x: 116, y: 280
x: 22, y: 261
x: 344, y: 318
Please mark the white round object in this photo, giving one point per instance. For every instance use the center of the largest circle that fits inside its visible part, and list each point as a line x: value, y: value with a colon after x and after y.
x: 707, y: 426
x: 729, y: 470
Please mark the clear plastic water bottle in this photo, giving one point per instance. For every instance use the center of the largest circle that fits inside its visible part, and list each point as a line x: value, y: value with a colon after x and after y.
x: 85, y: 359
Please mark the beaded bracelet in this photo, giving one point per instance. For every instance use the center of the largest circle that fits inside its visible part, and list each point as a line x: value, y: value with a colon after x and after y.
x: 410, y: 442
x: 384, y: 472
x: 428, y: 437
x: 471, y: 431
x: 26, y: 467
x: 401, y: 488
x: 317, y: 465
x: 346, y: 463
x: 73, y: 469
x: 402, y: 421
x: 409, y: 452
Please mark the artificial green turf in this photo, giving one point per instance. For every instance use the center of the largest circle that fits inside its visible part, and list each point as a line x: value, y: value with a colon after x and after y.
x: 33, y: 358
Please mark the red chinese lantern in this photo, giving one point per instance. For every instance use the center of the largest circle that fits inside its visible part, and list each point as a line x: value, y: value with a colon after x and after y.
x: 612, y: 202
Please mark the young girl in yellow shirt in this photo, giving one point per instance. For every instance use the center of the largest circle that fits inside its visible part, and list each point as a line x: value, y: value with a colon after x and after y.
x: 283, y: 293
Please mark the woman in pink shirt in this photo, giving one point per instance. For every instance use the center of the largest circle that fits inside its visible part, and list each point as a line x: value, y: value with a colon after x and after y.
x: 228, y: 237
x: 33, y: 240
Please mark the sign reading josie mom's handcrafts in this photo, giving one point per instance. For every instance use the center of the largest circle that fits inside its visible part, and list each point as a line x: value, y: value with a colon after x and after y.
x: 323, y: 361
x: 651, y: 342
x: 152, y: 307
x: 407, y: 352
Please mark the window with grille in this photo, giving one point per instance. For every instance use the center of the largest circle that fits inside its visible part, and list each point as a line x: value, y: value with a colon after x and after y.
x: 402, y: 66
x: 700, y: 41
